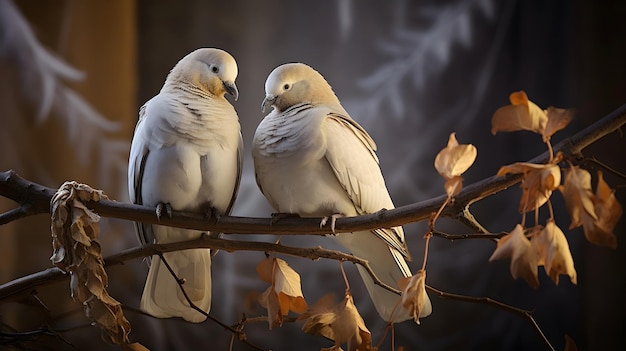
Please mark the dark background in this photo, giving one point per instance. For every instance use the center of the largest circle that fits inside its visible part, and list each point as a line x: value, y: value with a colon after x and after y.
x: 410, y: 72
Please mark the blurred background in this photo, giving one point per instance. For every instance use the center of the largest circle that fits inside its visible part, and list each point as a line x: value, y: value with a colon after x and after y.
x: 73, y: 75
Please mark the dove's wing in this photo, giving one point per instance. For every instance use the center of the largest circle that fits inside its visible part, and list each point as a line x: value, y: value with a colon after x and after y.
x: 229, y: 209
x: 138, y: 155
x: 351, y: 153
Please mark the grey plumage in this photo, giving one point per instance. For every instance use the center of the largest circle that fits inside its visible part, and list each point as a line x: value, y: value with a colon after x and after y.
x: 186, y: 154
x: 313, y: 159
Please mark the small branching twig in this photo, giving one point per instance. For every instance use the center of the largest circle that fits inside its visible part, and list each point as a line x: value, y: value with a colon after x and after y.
x: 51, y: 275
x: 528, y: 315
x: 240, y: 334
x: 453, y: 237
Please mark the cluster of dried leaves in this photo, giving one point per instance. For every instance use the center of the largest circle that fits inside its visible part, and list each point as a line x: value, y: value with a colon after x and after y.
x: 339, y: 322
x: 77, y: 251
x: 546, y: 245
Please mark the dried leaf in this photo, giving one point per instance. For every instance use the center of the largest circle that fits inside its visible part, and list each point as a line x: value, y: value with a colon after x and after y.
x: 453, y: 161
x: 269, y: 300
x: 537, y: 184
x: 76, y: 248
x: 554, y: 252
x: 414, y: 294
x: 578, y: 195
x: 607, y: 207
x: 570, y: 345
x: 285, y: 292
x: 522, y: 114
x: 455, y: 158
x: 524, y: 260
x: 341, y: 323
x: 608, y: 211
x: 558, y: 119
x: 134, y: 347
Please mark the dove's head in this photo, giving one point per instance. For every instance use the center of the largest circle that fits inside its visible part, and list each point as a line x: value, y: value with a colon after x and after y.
x: 212, y: 70
x: 295, y: 83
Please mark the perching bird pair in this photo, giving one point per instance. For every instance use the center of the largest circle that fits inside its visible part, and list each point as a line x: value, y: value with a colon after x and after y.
x: 310, y: 159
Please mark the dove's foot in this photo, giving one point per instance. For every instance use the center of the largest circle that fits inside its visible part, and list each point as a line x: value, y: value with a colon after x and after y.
x: 332, y: 219
x: 163, y: 206
x: 211, y: 212
x: 277, y: 216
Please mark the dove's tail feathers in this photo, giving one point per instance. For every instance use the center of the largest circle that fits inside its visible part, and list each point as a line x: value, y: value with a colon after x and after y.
x: 389, y: 269
x: 389, y: 265
x: 162, y: 296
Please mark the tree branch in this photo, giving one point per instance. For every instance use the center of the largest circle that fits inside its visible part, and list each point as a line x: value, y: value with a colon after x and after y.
x: 528, y: 315
x: 35, y: 198
x: 30, y: 282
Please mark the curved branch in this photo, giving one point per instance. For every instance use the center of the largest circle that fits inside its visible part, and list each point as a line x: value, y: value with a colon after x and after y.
x: 38, y: 198
x: 30, y: 282
x: 528, y: 315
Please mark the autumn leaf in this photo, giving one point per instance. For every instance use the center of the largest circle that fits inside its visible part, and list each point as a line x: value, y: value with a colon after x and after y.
x: 524, y: 259
x: 554, y: 252
x: 414, y: 294
x: 558, y: 118
x: 77, y: 251
x: 570, y: 345
x: 522, y: 114
x: 598, y: 213
x: 608, y: 211
x: 453, y: 161
x: 576, y: 190
x: 284, y: 293
x: 538, y: 182
x: 340, y: 323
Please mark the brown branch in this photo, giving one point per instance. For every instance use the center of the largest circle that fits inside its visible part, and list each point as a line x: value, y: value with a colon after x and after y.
x: 28, y: 283
x: 528, y: 315
x: 35, y: 198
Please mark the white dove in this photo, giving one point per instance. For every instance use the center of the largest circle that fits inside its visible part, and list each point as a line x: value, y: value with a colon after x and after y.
x: 186, y: 156
x: 312, y: 159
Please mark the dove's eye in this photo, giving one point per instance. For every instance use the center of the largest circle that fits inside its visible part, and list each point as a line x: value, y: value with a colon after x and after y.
x: 215, y: 69
x: 286, y: 86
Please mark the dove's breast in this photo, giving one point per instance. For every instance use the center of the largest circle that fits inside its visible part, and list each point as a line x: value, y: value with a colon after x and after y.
x: 291, y: 167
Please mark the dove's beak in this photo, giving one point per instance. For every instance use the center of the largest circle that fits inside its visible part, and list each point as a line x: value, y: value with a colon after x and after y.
x: 268, y: 101
x: 231, y: 88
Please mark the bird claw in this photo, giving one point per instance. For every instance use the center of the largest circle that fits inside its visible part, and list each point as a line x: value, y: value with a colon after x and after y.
x: 333, y: 220
x: 163, y: 206
x: 212, y: 213
x: 280, y: 215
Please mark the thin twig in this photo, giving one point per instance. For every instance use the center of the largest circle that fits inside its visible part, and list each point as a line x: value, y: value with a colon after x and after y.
x: 528, y: 315
x: 27, y: 283
x: 179, y: 282
x: 605, y: 166
x: 453, y: 237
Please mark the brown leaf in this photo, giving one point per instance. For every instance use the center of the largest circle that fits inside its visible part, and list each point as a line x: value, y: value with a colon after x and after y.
x: 455, y: 158
x: 578, y: 195
x: 554, y: 252
x: 607, y: 207
x: 608, y: 211
x: 134, y: 347
x: 414, y: 294
x: 570, y: 345
x: 537, y: 184
x: 453, y: 161
x: 524, y: 260
x: 77, y: 251
x: 285, y: 292
x: 269, y: 300
x: 522, y: 114
x: 341, y: 323
x: 558, y: 119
